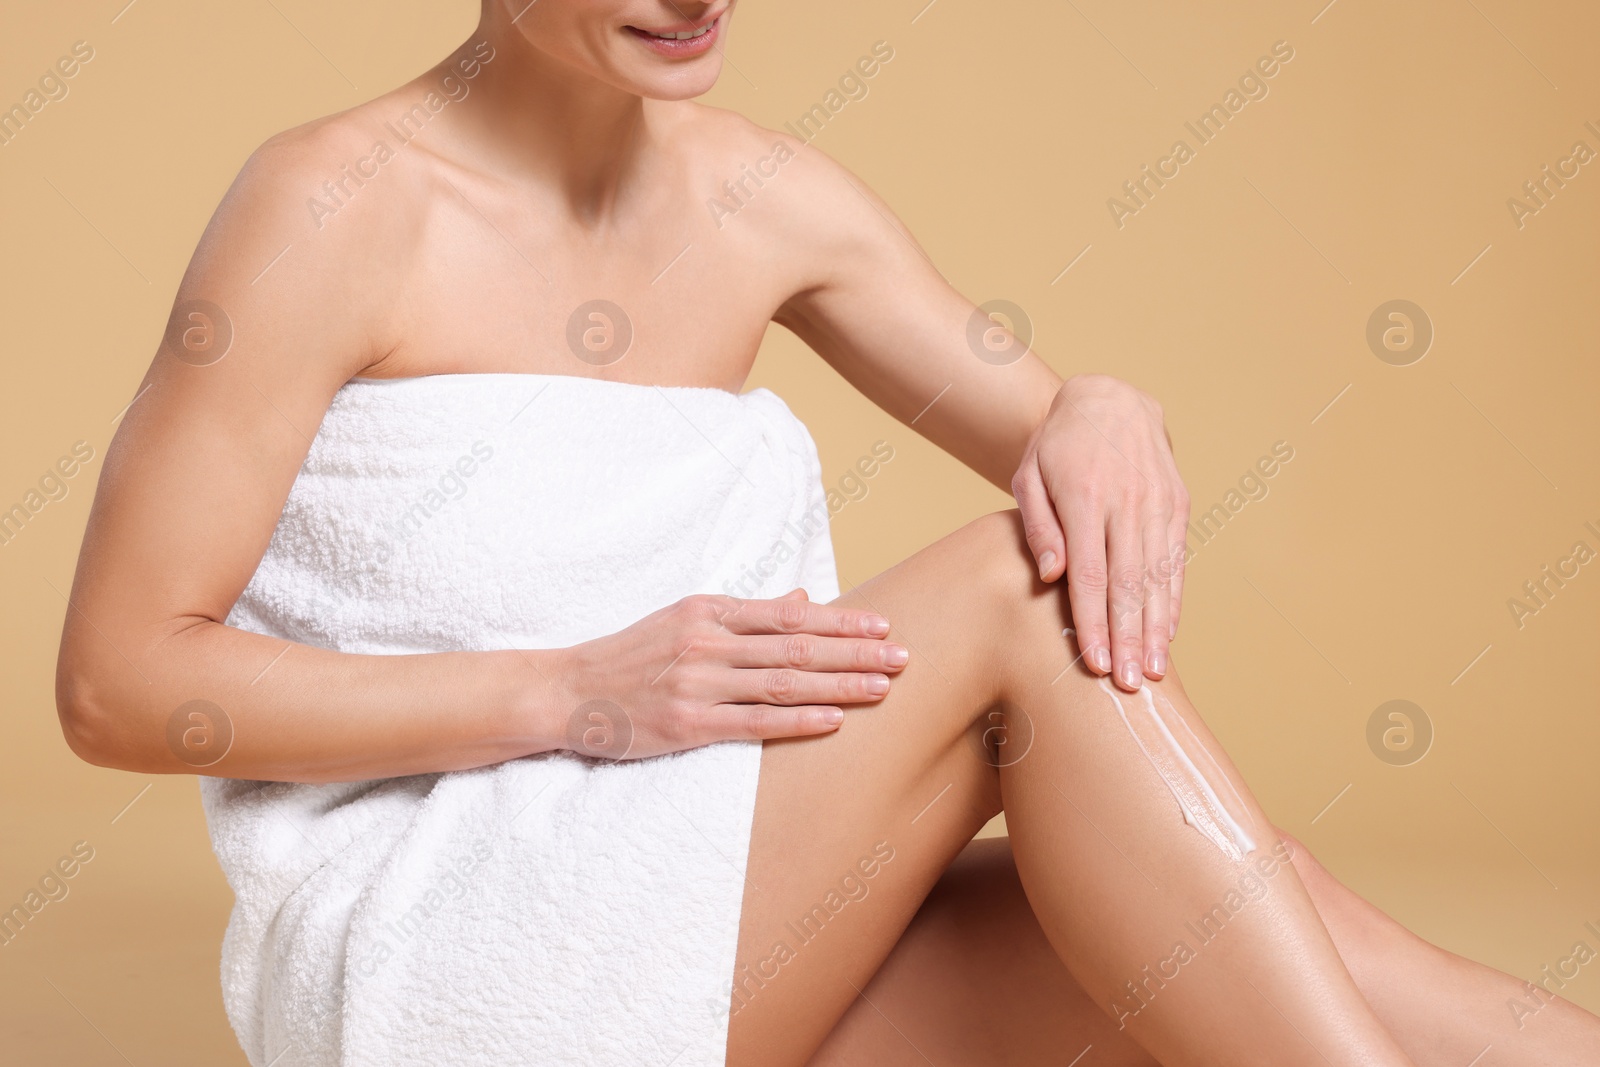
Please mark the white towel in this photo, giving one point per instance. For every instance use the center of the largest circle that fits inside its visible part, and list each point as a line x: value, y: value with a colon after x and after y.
x: 551, y: 909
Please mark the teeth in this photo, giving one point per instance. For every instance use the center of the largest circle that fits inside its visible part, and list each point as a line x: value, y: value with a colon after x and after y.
x: 686, y: 34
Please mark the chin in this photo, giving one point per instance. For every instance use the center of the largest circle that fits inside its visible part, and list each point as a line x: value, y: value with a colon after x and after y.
x: 675, y: 85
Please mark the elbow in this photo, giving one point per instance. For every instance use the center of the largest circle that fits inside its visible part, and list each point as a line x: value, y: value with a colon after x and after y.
x: 92, y: 730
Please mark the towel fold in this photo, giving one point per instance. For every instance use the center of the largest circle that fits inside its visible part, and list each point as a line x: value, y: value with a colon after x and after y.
x: 552, y: 909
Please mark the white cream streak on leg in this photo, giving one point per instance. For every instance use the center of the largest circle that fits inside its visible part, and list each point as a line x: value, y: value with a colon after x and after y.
x: 1243, y: 842
x: 1197, y: 800
x: 1164, y: 772
x: 1201, y: 745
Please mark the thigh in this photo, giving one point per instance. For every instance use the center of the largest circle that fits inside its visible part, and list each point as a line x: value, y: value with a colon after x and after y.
x: 852, y: 829
x: 974, y: 981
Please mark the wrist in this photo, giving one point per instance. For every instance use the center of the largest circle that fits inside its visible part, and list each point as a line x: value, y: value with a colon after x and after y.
x: 538, y: 697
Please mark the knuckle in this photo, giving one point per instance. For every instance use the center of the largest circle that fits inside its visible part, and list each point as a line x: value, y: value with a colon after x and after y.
x: 1091, y: 577
x: 678, y: 722
x: 1087, y: 491
x: 798, y: 650
x: 790, y: 615
x: 780, y: 685
x: 760, y: 723
x: 1037, y: 531
x: 701, y: 683
x: 674, y: 683
x: 1129, y: 585
x: 703, y: 607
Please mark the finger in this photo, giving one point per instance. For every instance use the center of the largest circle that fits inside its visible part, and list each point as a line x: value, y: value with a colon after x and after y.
x: 795, y: 594
x: 1041, y: 526
x: 812, y: 653
x: 1156, y: 575
x: 795, y: 616
x: 786, y: 687
x: 1125, y: 564
x: 1086, y: 580
x: 1178, y: 552
x: 758, y: 722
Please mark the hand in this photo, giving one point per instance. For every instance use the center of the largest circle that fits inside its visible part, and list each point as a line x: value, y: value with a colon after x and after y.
x: 714, y: 668
x: 1102, y: 503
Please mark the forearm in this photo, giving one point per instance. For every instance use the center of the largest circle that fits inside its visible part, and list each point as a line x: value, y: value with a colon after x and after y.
x: 991, y: 432
x: 300, y: 713
x: 921, y: 371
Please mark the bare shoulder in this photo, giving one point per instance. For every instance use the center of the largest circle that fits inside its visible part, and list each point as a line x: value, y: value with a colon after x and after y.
x: 780, y: 191
x: 738, y: 163
x: 315, y: 229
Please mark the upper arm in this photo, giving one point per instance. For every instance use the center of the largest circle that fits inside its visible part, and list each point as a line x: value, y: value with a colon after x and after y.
x: 877, y: 309
x: 272, y: 316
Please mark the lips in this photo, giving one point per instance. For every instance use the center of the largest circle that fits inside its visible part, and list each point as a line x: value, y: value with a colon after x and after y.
x: 681, y: 42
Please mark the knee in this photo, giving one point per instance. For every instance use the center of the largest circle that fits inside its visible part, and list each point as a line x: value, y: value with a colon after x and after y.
x: 1003, y: 580
x: 1312, y: 873
x: 1304, y: 863
x: 997, y: 557
x: 1352, y: 919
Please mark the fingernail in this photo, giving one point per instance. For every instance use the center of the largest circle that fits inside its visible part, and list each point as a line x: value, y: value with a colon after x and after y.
x: 1046, y: 562
x: 877, y: 685
x: 833, y: 716
x: 1100, y: 660
x: 1130, y: 674
x: 877, y: 624
x: 1172, y: 631
x: 895, y: 656
x: 1156, y: 661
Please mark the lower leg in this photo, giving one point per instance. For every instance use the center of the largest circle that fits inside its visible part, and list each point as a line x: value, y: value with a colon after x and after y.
x: 1095, y: 829
x: 1133, y: 836
x: 1444, y: 1009
x: 973, y: 980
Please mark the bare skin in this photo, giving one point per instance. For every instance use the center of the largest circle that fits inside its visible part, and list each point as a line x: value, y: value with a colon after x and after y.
x: 569, y: 165
x: 974, y: 981
x: 994, y: 967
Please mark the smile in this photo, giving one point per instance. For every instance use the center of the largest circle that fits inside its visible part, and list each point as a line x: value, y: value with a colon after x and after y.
x: 681, y: 43
x: 686, y: 35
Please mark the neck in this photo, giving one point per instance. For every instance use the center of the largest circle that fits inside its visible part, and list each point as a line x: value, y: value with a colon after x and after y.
x: 532, y: 117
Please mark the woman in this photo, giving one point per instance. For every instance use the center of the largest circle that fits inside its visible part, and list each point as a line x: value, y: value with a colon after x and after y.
x: 440, y: 539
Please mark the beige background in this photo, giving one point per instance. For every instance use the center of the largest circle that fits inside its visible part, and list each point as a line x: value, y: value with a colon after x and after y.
x: 1378, y: 567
